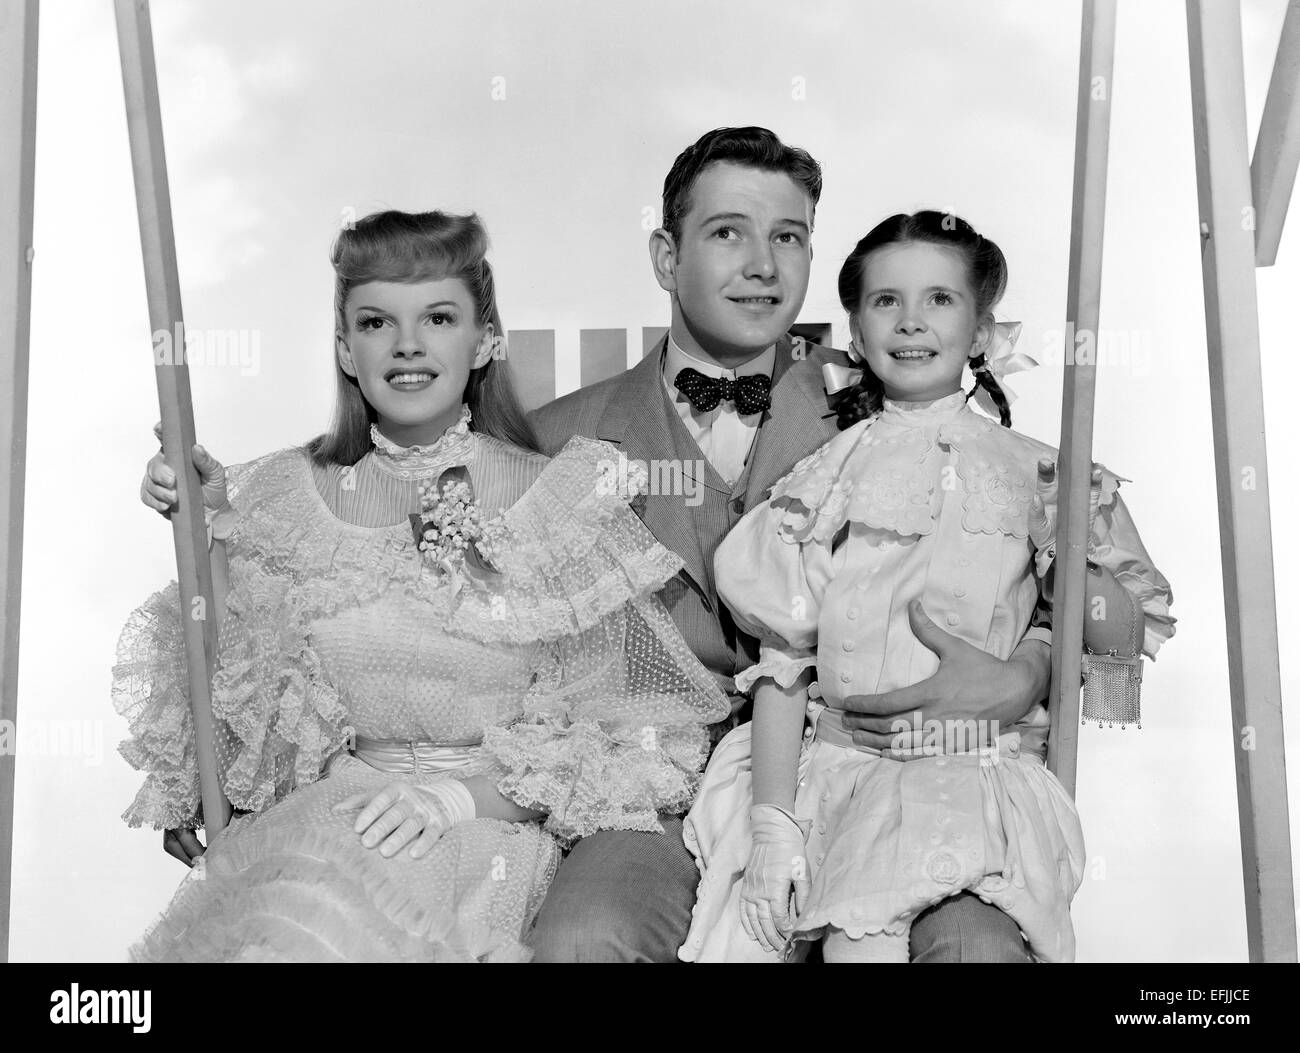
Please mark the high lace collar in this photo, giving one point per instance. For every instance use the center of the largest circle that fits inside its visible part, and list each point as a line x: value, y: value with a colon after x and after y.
x: 455, y: 446
x: 924, y: 414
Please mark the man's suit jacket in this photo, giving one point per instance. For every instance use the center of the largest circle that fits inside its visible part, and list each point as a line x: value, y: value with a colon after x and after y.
x: 634, y: 412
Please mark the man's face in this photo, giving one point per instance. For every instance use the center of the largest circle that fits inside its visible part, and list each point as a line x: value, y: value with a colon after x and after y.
x: 740, y: 269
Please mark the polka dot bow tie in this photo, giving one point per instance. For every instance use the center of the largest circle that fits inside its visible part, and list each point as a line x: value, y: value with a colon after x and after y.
x: 751, y: 394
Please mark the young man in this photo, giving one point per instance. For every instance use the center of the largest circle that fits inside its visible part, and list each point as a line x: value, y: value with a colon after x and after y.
x: 732, y: 402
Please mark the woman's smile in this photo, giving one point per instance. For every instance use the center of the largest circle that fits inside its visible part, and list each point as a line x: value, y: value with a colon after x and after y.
x: 410, y: 379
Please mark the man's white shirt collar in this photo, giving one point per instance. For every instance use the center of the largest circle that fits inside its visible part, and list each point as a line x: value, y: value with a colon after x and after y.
x: 676, y: 360
x: 723, y: 435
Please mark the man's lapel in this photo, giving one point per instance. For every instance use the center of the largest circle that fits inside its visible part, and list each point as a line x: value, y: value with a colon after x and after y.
x: 636, y: 419
x: 796, y: 424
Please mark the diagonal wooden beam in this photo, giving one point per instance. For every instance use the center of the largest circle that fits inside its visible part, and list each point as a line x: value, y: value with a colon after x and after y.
x: 1083, y: 314
x: 18, y: 33
x: 1241, y: 465
x: 163, y: 288
x: 1277, y: 149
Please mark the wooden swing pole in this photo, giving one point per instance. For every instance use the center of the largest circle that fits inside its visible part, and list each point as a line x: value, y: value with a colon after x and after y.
x: 1083, y: 312
x: 18, y: 34
x: 193, y: 566
x: 1277, y: 148
x: 1227, y: 228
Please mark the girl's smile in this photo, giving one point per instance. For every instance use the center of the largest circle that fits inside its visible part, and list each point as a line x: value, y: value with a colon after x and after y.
x: 913, y: 354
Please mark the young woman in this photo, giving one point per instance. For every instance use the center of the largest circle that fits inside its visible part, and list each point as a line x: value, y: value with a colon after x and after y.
x: 440, y: 653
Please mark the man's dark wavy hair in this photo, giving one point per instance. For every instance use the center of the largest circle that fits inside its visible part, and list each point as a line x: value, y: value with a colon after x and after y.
x: 750, y: 147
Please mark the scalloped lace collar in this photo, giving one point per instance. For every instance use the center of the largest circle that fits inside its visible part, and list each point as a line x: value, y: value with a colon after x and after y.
x: 455, y: 446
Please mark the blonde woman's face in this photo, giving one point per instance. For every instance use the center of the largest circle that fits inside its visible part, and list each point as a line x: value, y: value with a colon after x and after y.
x: 411, y: 348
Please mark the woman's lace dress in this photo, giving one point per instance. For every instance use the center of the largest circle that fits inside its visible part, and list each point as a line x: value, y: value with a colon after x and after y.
x: 348, y: 660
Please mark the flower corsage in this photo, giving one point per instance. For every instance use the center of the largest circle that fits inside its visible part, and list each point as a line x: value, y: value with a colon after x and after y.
x: 452, y: 533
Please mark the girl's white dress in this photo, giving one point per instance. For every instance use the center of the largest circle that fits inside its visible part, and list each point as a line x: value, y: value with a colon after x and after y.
x: 347, y: 661
x: 927, y: 500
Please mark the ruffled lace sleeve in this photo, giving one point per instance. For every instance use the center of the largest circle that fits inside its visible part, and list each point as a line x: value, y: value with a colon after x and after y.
x: 151, y: 690
x: 277, y: 718
x: 280, y: 718
x: 612, y: 733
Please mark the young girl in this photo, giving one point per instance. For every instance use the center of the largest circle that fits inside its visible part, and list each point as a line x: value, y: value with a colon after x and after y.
x: 919, y: 500
x: 440, y: 655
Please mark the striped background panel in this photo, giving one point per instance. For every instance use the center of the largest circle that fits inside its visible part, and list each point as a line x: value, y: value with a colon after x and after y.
x: 531, y: 354
x: 604, y: 353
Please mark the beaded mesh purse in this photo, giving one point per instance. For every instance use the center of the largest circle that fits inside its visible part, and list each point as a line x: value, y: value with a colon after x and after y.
x: 1112, y: 685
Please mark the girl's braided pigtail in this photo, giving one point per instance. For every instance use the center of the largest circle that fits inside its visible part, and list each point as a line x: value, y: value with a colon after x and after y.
x: 984, y: 379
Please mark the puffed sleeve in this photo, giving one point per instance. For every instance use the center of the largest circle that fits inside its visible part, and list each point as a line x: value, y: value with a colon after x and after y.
x: 613, y: 728
x: 1119, y: 548
x: 773, y: 568
x: 774, y: 582
x: 1116, y: 545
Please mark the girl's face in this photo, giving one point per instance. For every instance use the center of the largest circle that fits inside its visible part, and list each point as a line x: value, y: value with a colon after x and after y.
x: 411, y: 348
x: 917, y: 324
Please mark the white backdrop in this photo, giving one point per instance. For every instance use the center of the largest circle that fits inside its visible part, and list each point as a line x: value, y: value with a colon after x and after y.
x: 557, y: 122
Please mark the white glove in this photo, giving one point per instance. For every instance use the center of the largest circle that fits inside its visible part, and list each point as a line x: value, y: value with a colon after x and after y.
x: 403, y: 812
x: 1043, y: 507
x: 777, y: 863
x: 158, y: 489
